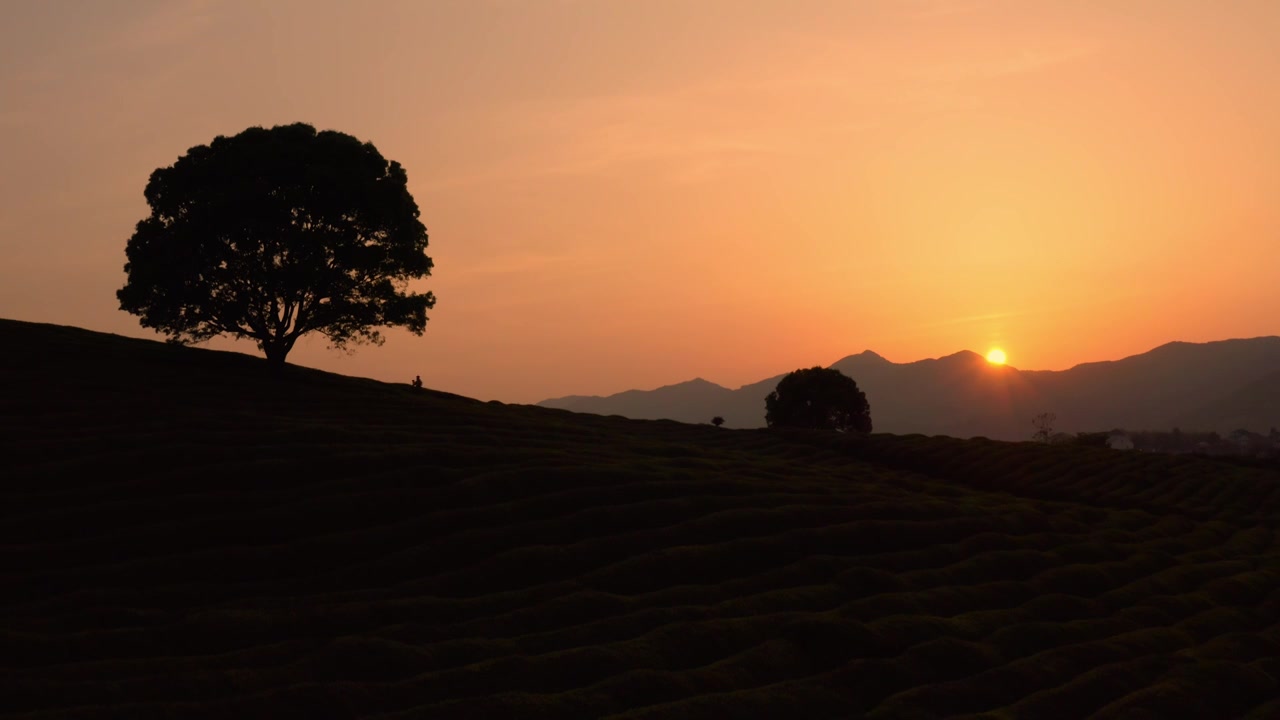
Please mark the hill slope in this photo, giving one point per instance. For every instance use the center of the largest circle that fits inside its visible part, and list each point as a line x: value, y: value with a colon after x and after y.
x: 1219, y: 386
x: 184, y: 534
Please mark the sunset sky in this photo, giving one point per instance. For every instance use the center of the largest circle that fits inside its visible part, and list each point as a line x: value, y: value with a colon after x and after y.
x: 630, y: 194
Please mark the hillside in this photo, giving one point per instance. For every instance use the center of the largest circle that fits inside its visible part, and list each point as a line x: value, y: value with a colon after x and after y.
x: 1220, y: 386
x: 185, y: 534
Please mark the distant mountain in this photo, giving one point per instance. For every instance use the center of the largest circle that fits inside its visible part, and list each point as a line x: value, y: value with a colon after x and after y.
x: 696, y: 393
x: 1219, y: 386
x: 1252, y: 407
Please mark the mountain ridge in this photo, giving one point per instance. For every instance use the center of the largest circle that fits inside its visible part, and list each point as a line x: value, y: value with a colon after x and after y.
x: 1213, y: 385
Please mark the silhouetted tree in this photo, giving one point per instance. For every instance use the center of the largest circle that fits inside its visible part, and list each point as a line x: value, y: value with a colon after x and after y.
x: 717, y: 421
x: 1044, y: 426
x: 818, y: 398
x: 272, y: 234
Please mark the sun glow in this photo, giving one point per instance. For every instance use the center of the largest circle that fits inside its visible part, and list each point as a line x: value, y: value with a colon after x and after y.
x: 997, y: 357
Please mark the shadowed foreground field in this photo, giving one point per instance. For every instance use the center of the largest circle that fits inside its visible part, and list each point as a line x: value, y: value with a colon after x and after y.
x: 183, y: 534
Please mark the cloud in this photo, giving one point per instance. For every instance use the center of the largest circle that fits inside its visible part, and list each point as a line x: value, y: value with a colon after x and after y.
x: 1018, y: 63
x: 695, y: 132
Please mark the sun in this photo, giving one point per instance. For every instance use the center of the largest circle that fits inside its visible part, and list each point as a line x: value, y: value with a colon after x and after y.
x: 997, y: 357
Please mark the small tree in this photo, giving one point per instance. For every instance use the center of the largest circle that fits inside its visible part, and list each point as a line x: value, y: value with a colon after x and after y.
x: 272, y: 234
x: 1044, y: 426
x: 717, y: 421
x: 818, y: 398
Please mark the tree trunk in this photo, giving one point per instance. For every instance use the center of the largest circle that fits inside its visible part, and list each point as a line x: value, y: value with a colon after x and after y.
x: 276, y: 351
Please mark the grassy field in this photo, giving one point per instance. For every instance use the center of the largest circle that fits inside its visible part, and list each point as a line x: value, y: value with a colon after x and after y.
x: 185, y: 534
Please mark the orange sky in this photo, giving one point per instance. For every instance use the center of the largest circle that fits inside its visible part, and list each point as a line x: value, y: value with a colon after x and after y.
x: 628, y: 194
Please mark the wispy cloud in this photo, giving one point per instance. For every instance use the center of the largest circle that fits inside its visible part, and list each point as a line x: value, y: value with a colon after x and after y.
x: 1033, y: 311
x: 818, y: 94
x: 969, y: 319
x: 694, y: 132
x: 1017, y: 63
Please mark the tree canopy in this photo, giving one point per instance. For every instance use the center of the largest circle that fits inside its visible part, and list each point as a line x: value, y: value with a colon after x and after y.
x: 820, y: 399
x: 273, y: 234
